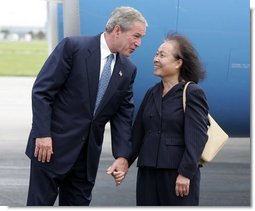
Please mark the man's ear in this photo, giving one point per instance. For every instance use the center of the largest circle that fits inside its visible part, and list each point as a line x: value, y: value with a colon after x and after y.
x: 117, y: 29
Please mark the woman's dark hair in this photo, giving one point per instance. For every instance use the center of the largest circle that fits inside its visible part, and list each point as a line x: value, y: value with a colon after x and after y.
x: 191, y: 69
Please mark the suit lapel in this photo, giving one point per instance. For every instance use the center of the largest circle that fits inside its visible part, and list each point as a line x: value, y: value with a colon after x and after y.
x: 93, y: 69
x: 117, y: 77
x: 158, y: 98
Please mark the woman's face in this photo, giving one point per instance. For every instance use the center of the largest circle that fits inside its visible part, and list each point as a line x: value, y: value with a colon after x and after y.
x: 165, y: 64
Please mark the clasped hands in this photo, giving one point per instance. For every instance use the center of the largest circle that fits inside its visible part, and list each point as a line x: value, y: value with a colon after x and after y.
x: 118, y: 170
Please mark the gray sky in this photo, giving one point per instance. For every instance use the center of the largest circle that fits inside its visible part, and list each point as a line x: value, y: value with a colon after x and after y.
x: 23, y: 13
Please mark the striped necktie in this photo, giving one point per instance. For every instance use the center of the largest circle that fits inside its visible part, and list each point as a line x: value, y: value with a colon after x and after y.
x: 104, y: 80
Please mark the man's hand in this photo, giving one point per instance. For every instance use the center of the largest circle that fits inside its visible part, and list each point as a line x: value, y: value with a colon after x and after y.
x: 118, y: 169
x: 43, y: 149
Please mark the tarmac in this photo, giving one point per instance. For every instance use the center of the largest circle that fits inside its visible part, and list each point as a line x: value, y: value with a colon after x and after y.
x: 225, y: 182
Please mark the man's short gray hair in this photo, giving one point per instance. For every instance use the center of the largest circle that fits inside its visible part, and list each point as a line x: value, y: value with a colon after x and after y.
x: 124, y: 17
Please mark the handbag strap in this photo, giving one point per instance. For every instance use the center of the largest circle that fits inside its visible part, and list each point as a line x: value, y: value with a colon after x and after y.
x: 184, y: 101
x: 184, y: 95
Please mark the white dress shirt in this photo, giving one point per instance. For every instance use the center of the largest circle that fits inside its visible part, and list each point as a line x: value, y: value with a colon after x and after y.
x: 105, y: 51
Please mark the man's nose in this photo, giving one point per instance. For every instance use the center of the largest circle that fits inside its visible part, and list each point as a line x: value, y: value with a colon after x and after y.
x: 138, y: 42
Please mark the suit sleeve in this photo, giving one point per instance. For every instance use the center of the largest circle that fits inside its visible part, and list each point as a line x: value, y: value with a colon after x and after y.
x: 121, y: 124
x: 138, y: 130
x: 47, y: 84
x: 195, y: 131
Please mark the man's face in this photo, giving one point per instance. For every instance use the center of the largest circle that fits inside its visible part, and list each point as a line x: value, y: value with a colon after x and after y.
x: 128, y: 41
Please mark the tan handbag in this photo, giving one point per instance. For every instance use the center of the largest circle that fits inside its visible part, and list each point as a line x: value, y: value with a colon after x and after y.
x: 216, y: 136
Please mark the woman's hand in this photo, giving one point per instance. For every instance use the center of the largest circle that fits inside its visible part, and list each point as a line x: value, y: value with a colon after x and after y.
x: 118, y: 176
x: 118, y: 169
x: 182, y: 186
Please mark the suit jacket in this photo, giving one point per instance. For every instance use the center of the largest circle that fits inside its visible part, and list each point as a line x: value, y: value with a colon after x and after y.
x: 165, y: 137
x: 63, y: 101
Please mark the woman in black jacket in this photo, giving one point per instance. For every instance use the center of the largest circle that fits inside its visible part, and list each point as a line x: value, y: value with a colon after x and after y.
x: 167, y: 141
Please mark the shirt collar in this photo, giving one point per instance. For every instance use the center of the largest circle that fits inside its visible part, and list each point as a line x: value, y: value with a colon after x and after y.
x: 105, y: 51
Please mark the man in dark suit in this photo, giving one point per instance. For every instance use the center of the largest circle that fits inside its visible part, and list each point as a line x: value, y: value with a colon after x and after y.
x: 66, y: 138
